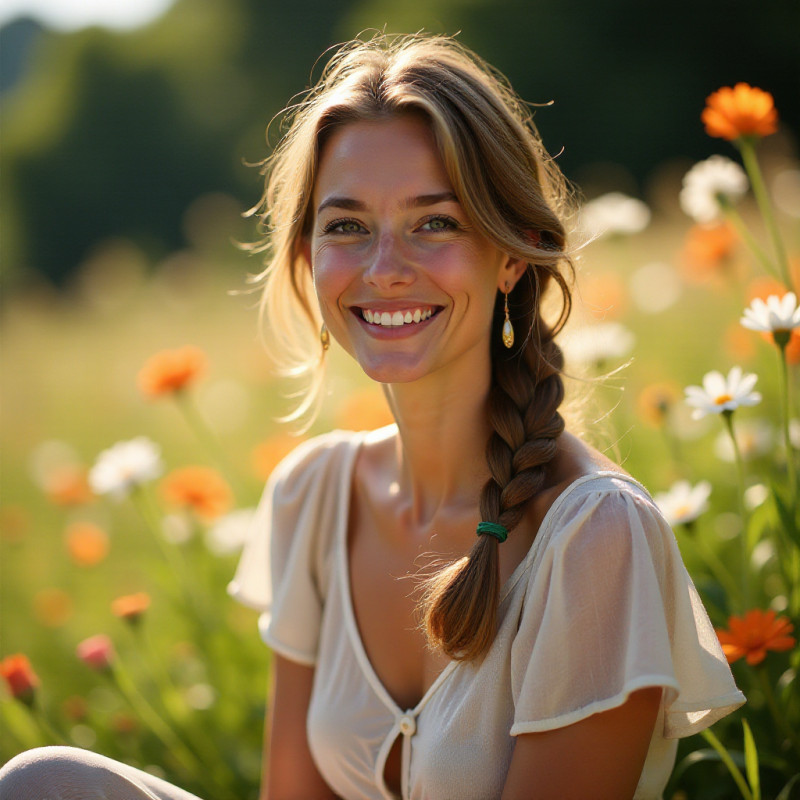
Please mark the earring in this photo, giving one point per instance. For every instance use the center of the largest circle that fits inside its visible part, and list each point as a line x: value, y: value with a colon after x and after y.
x: 324, y: 337
x: 508, y: 329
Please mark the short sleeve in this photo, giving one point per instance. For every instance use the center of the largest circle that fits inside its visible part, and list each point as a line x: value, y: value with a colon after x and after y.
x: 284, y: 567
x: 609, y: 609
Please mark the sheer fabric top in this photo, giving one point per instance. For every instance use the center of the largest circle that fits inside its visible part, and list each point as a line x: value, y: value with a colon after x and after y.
x: 601, y: 606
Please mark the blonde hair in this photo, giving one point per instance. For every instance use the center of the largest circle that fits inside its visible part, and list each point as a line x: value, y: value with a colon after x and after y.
x: 514, y: 195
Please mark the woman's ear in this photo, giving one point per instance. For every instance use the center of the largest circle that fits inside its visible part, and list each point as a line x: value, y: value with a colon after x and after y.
x: 510, y: 273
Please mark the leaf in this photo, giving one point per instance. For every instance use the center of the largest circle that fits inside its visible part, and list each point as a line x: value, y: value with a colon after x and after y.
x: 726, y: 757
x: 751, y: 761
x: 786, y: 791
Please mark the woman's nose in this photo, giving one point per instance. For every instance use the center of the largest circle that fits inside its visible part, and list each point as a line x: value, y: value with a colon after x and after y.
x: 388, y: 265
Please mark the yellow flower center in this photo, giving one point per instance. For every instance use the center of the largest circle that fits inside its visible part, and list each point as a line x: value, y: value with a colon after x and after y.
x: 722, y: 399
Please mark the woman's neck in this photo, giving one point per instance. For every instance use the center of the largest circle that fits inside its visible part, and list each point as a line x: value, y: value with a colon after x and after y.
x: 443, y: 430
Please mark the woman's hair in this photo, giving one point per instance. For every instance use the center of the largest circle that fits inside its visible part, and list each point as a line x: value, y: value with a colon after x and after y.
x: 514, y: 195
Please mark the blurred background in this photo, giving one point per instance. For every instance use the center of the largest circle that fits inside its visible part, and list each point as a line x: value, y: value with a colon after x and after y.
x: 127, y: 134
x: 135, y: 120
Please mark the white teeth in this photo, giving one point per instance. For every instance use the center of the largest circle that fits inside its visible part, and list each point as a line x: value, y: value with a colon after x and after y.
x: 396, y: 318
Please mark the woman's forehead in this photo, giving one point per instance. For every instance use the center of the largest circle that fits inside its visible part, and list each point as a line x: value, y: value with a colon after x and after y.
x: 368, y: 159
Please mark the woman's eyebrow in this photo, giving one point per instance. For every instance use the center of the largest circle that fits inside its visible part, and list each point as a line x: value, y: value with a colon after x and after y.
x: 350, y: 204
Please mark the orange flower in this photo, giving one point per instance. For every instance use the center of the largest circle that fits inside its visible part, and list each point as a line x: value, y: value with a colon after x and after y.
x: 87, y: 544
x: 763, y: 287
x: 199, y: 489
x: 20, y: 677
x: 707, y: 250
x: 130, y: 607
x: 656, y: 400
x: 68, y: 486
x: 171, y: 371
x: 270, y: 452
x: 755, y: 633
x: 604, y: 296
x: 743, y: 110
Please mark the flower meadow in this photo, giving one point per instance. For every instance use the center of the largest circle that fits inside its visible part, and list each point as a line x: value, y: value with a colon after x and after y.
x: 140, y: 424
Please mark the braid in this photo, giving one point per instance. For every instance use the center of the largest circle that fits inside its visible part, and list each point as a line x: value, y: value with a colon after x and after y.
x: 460, y: 605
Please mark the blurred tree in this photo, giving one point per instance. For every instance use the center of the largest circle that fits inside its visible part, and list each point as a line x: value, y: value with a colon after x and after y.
x: 117, y: 134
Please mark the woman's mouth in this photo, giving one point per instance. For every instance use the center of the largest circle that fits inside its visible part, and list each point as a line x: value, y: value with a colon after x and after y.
x: 395, y: 319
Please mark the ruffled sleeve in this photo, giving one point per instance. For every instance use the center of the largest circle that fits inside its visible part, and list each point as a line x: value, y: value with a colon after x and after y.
x: 610, y: 609
x: 284, y: 568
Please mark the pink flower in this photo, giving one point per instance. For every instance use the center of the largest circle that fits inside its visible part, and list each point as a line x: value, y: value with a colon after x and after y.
x: 96, y: 652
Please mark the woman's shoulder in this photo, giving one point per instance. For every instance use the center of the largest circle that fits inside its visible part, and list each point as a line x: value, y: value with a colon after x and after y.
x: 321, y: 459
x: 587, y: 487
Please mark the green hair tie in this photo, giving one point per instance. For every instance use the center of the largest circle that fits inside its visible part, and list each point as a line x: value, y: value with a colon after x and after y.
x: 500, y: 532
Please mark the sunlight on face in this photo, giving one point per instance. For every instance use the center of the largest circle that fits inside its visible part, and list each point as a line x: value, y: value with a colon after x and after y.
x: 404, y: 282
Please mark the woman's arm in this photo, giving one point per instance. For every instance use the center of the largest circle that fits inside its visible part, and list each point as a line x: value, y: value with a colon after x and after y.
x: 289, y: 771
x: 599, y: 757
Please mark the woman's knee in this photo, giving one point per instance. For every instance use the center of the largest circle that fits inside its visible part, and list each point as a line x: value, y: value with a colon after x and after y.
x: 55, y: 773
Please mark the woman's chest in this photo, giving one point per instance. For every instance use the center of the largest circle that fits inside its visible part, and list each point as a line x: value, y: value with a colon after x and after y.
x: 385, y: 588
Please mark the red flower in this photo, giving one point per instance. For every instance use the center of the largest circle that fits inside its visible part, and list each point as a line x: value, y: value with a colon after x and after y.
x: 743, y: 110
x: 96, y: 652
x: 755, y: 633
x: 20, y: 677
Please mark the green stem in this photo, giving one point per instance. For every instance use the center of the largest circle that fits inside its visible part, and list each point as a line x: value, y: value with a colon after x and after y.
x: 780, y: 721
x: 735, y: 218
x: 748, y: 151
x: 143, y: 504
x: 151, y: 718
x: 745, y: 553
x: 785, y: 388
x: 728, y: 761
x: 206, y: 437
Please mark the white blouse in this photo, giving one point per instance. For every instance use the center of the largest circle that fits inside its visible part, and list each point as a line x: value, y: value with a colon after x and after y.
x: 601, y: 606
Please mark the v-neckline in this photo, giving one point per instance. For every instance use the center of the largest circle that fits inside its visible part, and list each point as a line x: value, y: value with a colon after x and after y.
x: 343, y: 556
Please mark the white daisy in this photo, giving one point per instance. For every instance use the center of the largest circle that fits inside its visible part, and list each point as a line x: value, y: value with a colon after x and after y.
x: 598, y: 343
x: 614, y: 213
x: 709, y: 183
x: 719, y: 394
x: 684, y: 503
x: 776, y: 315
x: 229, y: 533
x: 124, y: 466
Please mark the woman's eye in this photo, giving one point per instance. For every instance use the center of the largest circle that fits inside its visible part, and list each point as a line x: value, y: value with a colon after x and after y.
x: 343, y: 226
x: 437, y: 224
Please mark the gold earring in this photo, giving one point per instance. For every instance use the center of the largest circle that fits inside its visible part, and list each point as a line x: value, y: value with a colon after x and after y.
x: 508, y: 329
x: 324, y: 337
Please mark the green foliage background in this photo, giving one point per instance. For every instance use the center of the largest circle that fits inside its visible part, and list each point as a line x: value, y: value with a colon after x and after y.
x: 123, y: 179
x: 116, y: 134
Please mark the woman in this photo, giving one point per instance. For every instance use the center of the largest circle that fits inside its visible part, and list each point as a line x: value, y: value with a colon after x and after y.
x: 559, y: 652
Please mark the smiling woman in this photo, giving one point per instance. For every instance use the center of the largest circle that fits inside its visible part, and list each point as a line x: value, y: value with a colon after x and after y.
x: 556, y: 647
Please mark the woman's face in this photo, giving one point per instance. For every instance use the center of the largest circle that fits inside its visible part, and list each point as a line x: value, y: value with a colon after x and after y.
x: 404, y: 283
